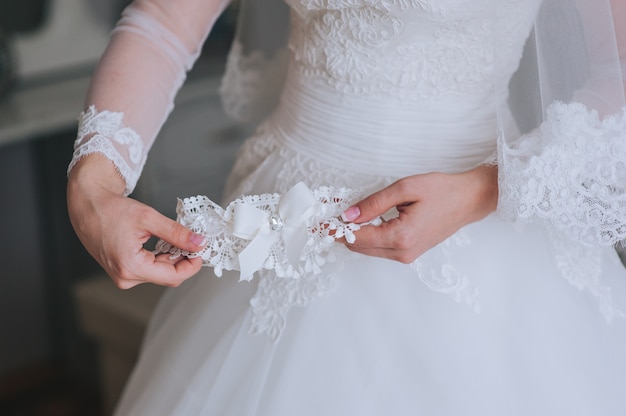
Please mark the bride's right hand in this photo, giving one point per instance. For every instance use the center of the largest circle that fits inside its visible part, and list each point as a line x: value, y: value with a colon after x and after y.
x: 113, y: 228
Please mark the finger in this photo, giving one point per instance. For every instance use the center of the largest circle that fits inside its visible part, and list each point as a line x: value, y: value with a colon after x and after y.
x: 399, y: 193
x: 392, y: 240
x: 168, y: 258
x: 164, y: 270
x: 406, y: 257
x: 174, y: 233
x: 393, y: 234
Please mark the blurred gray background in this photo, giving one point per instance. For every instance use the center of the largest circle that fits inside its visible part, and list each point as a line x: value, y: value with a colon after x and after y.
x: 57, y: 312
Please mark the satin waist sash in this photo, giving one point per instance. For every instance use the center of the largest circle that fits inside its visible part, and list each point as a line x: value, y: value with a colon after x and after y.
x: 384, y: 135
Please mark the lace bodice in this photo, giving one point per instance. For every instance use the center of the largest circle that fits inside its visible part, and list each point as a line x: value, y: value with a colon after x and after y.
x: 416, y: 49
x: 407, y: 85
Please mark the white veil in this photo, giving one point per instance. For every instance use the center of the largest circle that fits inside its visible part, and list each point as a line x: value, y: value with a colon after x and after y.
x: 562, y: 130
x: 257, y: 63
x: 569, y: 168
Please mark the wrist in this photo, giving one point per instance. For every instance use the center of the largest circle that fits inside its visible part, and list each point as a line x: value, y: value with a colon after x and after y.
x: 95, y: 172
x: 483, y: 181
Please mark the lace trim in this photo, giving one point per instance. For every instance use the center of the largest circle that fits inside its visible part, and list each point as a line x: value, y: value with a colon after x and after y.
x: 570, y: 172
x: 252, y: 83
x: 275, y: 297
x: 342, y: 46
x: 436, y: 271
x: 97, y: 133
x: 292, y: 234
x: 581, y: 266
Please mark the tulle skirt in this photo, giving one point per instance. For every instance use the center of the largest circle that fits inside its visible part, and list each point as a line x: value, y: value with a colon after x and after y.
x: 505, y: 328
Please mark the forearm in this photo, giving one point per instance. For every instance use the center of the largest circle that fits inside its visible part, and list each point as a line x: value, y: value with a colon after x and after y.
x: 133, y: 88
x: 94, y: 173
x: 483, y: 184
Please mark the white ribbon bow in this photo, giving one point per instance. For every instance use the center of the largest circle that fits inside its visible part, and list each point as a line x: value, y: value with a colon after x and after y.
x: 264, y: 228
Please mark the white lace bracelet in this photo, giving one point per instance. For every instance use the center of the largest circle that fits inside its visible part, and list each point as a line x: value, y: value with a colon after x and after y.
x: 292, y: 234
x: 104, y: 132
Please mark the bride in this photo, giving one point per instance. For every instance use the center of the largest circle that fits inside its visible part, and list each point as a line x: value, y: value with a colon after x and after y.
x: 457, y: 172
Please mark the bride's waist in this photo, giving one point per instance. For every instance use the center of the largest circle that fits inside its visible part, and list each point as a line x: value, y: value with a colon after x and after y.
x: 384, y: 135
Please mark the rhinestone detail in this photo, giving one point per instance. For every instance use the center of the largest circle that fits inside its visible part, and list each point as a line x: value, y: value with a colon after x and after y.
x: 276, y: 223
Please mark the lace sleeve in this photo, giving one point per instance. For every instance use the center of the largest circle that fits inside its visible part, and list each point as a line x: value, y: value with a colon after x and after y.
x: 257, y: 63
x: 569, y: 170
x: 132, y: 91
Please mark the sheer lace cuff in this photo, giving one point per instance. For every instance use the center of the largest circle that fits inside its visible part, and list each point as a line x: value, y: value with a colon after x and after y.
x: 292, y: 234
x: 104, y: 132
x: 572, y: 172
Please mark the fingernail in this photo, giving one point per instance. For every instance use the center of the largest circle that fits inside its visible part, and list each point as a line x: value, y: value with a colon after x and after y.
x: 351, y: 214
x: 198, y: 239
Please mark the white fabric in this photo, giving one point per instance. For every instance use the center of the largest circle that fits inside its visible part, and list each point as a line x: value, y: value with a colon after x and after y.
x: 105, y: 133
x: 501, y: 318
x: 292, y: 234
x: 258, y: 60
x: 151, y: 49
x: 567, y: 171
x: 588, y: 203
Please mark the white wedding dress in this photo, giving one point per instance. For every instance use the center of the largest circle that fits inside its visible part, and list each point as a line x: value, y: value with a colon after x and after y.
x: 500, y: 319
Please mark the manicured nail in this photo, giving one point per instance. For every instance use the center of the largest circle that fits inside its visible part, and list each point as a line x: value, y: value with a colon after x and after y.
x: 351, y: 214
x: 198, y: 239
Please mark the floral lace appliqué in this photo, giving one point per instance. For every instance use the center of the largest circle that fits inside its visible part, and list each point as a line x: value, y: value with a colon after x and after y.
x: 104, y: 132
x: 292, y: 234
x: 571, y: 172
x: 251, y: 84
x: 276, y: 296
x: 436, y: 270
x: 398, y: 48
x: 581, y: 266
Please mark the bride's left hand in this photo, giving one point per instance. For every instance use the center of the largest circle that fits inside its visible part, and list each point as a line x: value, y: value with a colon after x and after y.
x: 431, y: 208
